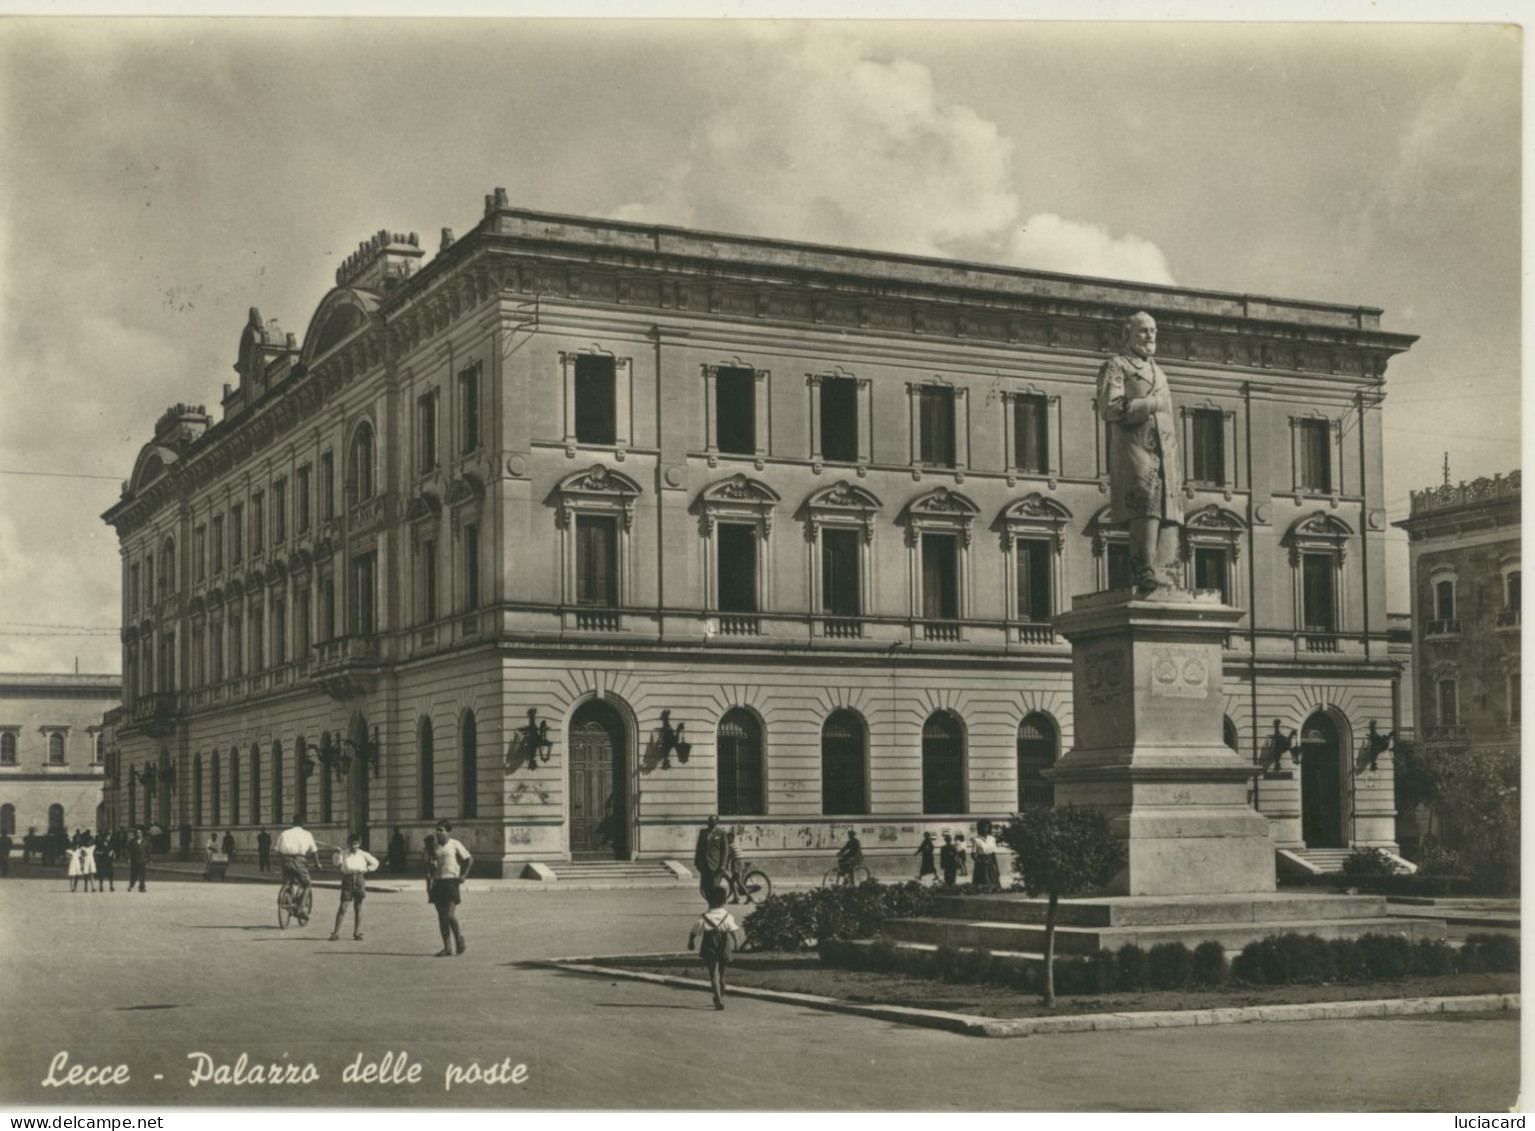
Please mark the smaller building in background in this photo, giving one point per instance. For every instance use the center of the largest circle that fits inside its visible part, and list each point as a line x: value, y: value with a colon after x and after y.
x: 53, y: 751
x: 1465, y: 576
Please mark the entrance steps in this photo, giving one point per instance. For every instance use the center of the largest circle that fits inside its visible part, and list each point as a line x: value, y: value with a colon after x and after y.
x: 617, y: 872
x: 1326, y: 861
x: 1014, y: 923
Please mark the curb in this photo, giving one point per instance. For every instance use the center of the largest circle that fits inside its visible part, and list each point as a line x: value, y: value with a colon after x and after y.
x: 974, y: 1026
x: 412, y: 883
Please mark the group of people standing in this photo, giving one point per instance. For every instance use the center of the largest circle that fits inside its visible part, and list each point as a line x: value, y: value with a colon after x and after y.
x: 90, y: 859
x: 955, y: 854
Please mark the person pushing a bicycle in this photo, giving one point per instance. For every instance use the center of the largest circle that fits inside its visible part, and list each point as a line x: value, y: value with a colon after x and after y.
x: 298, y: 852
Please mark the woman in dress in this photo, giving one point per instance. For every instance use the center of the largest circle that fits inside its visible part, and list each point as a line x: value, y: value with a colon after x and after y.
x: 75, y: 867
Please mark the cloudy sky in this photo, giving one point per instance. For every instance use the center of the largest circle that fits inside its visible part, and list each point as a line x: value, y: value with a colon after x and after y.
x: 161, y: 177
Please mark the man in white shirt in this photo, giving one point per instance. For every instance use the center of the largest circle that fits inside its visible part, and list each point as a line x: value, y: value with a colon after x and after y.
x: 450, y: 867
x: 297, y: 849
x: 356, y: 863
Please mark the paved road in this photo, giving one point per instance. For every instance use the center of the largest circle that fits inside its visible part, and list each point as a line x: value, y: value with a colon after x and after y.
x: 146, y: 979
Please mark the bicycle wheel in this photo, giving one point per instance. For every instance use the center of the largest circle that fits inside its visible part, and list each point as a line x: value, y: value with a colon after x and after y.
x: 756, y: 885
x: 859, y: 875
x: 832, y: 878
x: 304, y: 906
x: 284, y: 906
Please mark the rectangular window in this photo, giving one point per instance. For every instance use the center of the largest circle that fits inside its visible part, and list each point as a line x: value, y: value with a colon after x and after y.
x: 328, y: 608
x: 236, y: 534
x: 364, y: 611
x: 1511, y: 592
x: 737, y: 552
x: 199, y: 658
x: 1317, y: 593
x: 1449, y: 704
x: 471, y: 568
x: 1210, y: 572
x: 218, y: 543
x: 279, y: 511
x: 258, y: 640
x: 1315, y: 456
x: 168, y: 661
x: 279, y: 631
x: 133, y: 589
x: 200, y: 552
x: 935, y: 407
x: 426, y: 431
x: 1031, y: 434
x: 429, y: 581
x: 597, y: 560
x: 236, y: 647
x: 940, y: 576
x: 735, y: 410
x: 841, y: 594
x: 328, y: 486
x: 301, y: 499
x: 1208, y: 464
x: 258, y: 521
x: 1034, y: 602
x: 1444, y: 600
x: 302, y: 629
x: 469, y: 409
x: 839, y: 419
x: 218, y: 653
x: 596, y: 400
x: 1119, y: 566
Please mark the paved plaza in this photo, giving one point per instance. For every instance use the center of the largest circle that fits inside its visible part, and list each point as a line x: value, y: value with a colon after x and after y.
x: 148, y: 979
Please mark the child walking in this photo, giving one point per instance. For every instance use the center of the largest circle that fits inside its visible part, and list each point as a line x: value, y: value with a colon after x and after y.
x: 717, y: 930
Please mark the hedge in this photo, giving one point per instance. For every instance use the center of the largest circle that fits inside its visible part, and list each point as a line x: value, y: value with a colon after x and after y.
x: 797, y: 920
x: 1274, y: 961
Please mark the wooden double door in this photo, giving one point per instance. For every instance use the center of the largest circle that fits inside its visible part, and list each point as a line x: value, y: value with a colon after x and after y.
x: 599, y: 808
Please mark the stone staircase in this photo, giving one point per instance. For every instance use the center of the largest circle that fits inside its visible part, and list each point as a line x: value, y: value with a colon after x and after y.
x: 618, y: 873
x: 1325, y: 861
x: 1013, y: 924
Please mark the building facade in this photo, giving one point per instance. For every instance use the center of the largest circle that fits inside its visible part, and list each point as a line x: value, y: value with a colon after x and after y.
x: 1465, y: 574
x: 583, y: 530
x: 53, y: 751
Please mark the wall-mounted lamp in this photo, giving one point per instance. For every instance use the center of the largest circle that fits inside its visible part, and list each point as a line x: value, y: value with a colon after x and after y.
x: 1376, y: 744
x: 671, y: 740
x: 305, y: 762
x: 535, y: 737
x: 1278, y: 743
x: 368, y: 748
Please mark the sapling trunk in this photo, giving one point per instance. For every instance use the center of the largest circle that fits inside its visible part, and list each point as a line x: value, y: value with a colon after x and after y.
x: 1050, y: 952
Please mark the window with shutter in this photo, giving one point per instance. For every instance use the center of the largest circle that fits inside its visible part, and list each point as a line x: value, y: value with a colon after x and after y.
x: 1031, y: 431
x: 596, y: 403
x: 936, y: 423
x: 597, y: 560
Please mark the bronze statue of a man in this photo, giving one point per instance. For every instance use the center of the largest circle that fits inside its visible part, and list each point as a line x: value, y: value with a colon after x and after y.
x: 1144, y: 474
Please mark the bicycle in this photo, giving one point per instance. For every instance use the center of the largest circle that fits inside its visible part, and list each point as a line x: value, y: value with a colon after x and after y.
x: 291, y: 905
x: 754, y: 883
x: 838, y: 876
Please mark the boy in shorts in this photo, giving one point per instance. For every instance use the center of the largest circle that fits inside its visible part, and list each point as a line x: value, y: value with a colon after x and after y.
x: 356, y: 863
x: 718, y: 930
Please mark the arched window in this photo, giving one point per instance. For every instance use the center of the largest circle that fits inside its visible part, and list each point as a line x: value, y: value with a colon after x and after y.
x: 8, y: 820
x: 1038, y: 747
x: 428, y: 770
x: 1444, y: 600
x: 255, y: 810
x: 197, y: 789
x: 8, y: 749
x: 56, y: 749
x: 56, y: 818
x: 468, y: 762
x: 943, y: 764
x: 360, y: 463
x: 844, y: 762
x: 133, y: 805
x: 168, y: 567
x: 277, y: 776
x: 303, y: 766
x: 234, y: 786
x: 215, y: 788
x: 740, y: 764
x: 1229, y: 733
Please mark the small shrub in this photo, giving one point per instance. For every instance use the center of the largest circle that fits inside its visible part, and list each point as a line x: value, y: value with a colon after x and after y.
x: 972, y: 965
x: 1102, y: 971
x: 1072, y: 976
x: 882, y: 955
x: 1497, y: 954
x: 1130, y: 966
x: 1209, y: 964
x: 1169, y: 966
x: 1386, y: 956
x: 945, y: 962
x: 1348, y: 961
x: 800, y: 919
x: 1432, y: 957
x: 1368, y: 862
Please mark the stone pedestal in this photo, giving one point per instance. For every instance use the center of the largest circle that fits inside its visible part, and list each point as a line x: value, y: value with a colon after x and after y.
x: 1148, y: 705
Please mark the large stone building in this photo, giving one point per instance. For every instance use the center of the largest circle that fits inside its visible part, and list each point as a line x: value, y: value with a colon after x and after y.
x: 53, y: 752
x: 1465, y: 575
x: 582, y: 530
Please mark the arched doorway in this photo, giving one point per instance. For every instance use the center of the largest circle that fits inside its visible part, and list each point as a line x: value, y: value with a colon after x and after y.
x: 943, y: 764
x: 1038, y: 747
x: 844, y: 771
x: 1321, y: 783
x: 599, y: 795
x: 357, y: 779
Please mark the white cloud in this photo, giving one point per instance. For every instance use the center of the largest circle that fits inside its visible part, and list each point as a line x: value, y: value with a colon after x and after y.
x: 812, y: 139
x: 1048, y: 242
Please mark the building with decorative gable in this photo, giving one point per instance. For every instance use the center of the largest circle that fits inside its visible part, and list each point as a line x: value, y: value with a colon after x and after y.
x: 582, y: 530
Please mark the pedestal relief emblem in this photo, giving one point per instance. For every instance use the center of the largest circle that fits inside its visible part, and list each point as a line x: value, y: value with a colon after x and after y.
x: 1104, y: 672
x: 1179, y: 673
